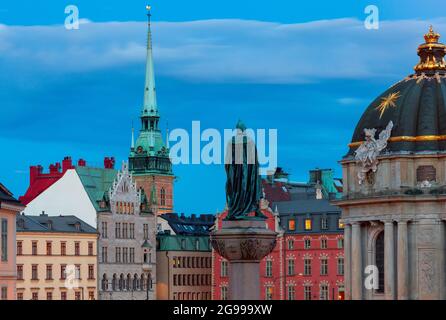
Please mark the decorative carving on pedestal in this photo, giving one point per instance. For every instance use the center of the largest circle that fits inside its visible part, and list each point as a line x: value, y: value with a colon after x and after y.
x: 367, y: 153
x: 428, y: 273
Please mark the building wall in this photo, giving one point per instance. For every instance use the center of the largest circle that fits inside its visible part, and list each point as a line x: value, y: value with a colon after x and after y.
x: 66, y: 196
x: 27, y: 286
x: 195, y: 270
x: 277, y: 281
x: 8, y: 267
x: 161, y: 181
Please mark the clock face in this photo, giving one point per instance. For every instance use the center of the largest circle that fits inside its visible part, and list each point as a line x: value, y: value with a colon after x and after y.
x: 139, y: 149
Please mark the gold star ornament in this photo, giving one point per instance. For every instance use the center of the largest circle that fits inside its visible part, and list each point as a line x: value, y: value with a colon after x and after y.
x: 387, y: 102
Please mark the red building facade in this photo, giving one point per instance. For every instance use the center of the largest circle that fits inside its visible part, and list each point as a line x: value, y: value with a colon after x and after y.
x: 308, y: 260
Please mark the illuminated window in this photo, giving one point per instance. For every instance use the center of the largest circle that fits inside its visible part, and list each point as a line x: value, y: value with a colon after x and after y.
x: 269, y: 293
x: 340, y: 224
x: 307, y: 224
x: 291, y: 224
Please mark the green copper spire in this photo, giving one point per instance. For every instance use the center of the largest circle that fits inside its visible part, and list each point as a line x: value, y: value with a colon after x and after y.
x: 149, y: 108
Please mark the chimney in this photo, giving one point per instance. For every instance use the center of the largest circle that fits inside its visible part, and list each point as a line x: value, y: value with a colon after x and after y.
x: 81, y: 163
x: 109, y: 163
x: 34, y: 172
x: 54, y: 168
x: 67, y: 164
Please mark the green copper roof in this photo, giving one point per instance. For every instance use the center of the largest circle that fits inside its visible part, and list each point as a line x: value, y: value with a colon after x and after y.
x: 150, y: 107
x: 168, y: 242
x: 96, y: 182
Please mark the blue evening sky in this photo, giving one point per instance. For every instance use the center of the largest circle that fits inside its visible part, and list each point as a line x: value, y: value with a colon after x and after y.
x: 308, y: 69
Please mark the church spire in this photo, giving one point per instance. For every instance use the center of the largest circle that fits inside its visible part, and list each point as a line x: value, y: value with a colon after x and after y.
x: 150, y: 107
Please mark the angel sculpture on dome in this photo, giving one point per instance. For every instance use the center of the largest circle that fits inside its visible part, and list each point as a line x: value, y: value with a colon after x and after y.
x: 367, y: 153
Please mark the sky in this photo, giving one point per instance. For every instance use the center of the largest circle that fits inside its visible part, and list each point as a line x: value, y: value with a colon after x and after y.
x: 308, y: 69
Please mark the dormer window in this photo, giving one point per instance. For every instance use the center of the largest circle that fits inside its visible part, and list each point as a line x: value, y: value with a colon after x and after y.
x: 77, y: 226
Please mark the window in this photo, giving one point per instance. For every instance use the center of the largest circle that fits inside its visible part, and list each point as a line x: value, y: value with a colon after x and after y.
x: 379, y: 261
x: 340, y: 224
x: 4, y: 293
x: 77, y: 248
x: 91, y: 295
x: 90, y: 248
x: 307, y: 292
x: 324, y: 243
x: 118, y: 255
x: 20, y: 272
x: 163, y: 196
x: 340, y: 265
x: 340, y: 243
x: 308, y: 224
x: 324, y: 266
x: 19, y: 248
x: 291, y: 292
x: 125, y: 255
x: 49, y: 248
x: 63, y: 248
x: 34, y: 248
x: 104, y: 254
x: 323, y: 292
x: 290, y: 244
x: 307, y: 243
x: 324, y: 223
x: 4, y: 240
x: 63, y: 273
x: 224, y: 268
x: 118, y: 230
x: 49, y: 295
x: 90, y: 272
x: 224, y: 293
x: 269, y: 268
x: 19, y: 295
x: 34, y: 275
x: 307, y: 267
x: 63, y: 295
x: 291, y: 224
x: 77, y: 295
x: 78, y: 272
x: 132, y: 255
x: 268, y: 293
x: 197, y: 244
x: 290, y: 267
x: 35, y: 296
x: 183, y: 247
x: 104, y: 232
x: 125, y: 230
x: 132, y: 230
x: 49, y: 272
x: 146, y: 231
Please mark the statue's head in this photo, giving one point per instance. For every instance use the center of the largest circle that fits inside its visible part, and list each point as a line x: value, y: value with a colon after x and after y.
x: 369, y: 134
x: 240, y: 126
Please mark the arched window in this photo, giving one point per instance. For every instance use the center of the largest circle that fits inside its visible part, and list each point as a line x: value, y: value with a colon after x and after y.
x: 379, y: 260
x: 143, y: 282
x: 121, y: 282
x: 163, y: 197
x: 114, y: 281
x: 149, y: 282
x: 129, y: 279
x: 135, y: 282
x: 104, y: 283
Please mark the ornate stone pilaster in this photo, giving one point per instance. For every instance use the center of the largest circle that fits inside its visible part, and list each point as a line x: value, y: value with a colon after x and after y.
x: 244, y: 243
x: 403, y: 262
x: 348, y: 261
x: 356, y: 262
x: 389, y: 261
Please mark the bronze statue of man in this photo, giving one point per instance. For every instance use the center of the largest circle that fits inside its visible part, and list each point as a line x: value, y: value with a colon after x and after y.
x: 243, y: 182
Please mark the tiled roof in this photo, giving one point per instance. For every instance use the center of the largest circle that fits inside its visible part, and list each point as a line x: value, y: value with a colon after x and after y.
x: 192, y: 225
x: 6, y: 195
x: 45, y: 223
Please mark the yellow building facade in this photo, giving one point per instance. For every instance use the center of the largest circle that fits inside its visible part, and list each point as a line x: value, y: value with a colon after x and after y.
x: 56, y: 258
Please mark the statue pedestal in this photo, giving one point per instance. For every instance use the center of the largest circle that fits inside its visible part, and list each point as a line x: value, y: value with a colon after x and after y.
x: 244, y: 243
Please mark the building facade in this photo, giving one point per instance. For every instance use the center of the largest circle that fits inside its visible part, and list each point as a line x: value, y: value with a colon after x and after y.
x: 149, y: 156
x: 184, y: 262
x: 308, y: 261
x: 56, y: 258
x: 127, y: 254
x: 9, y: 207
x: 393, y: 203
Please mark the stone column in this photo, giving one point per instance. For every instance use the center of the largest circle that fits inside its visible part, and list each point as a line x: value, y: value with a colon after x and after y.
x: 403, y: 262
x: 389, y: 261
x: 356, y: 258
x: 244, y: 243
x: 347, y: 261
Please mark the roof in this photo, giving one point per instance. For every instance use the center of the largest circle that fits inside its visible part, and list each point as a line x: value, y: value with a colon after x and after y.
x: 168, y: 242
x: 304, y: 206
x: 45, y: 223
x: 96, y: 182
x: 6, y: 195
x: 192, y: 225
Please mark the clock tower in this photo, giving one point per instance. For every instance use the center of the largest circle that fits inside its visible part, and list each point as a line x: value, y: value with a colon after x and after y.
x: 149, y: 159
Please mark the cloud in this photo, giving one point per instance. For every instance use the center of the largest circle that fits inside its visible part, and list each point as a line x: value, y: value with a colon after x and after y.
x: 221, y: 50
